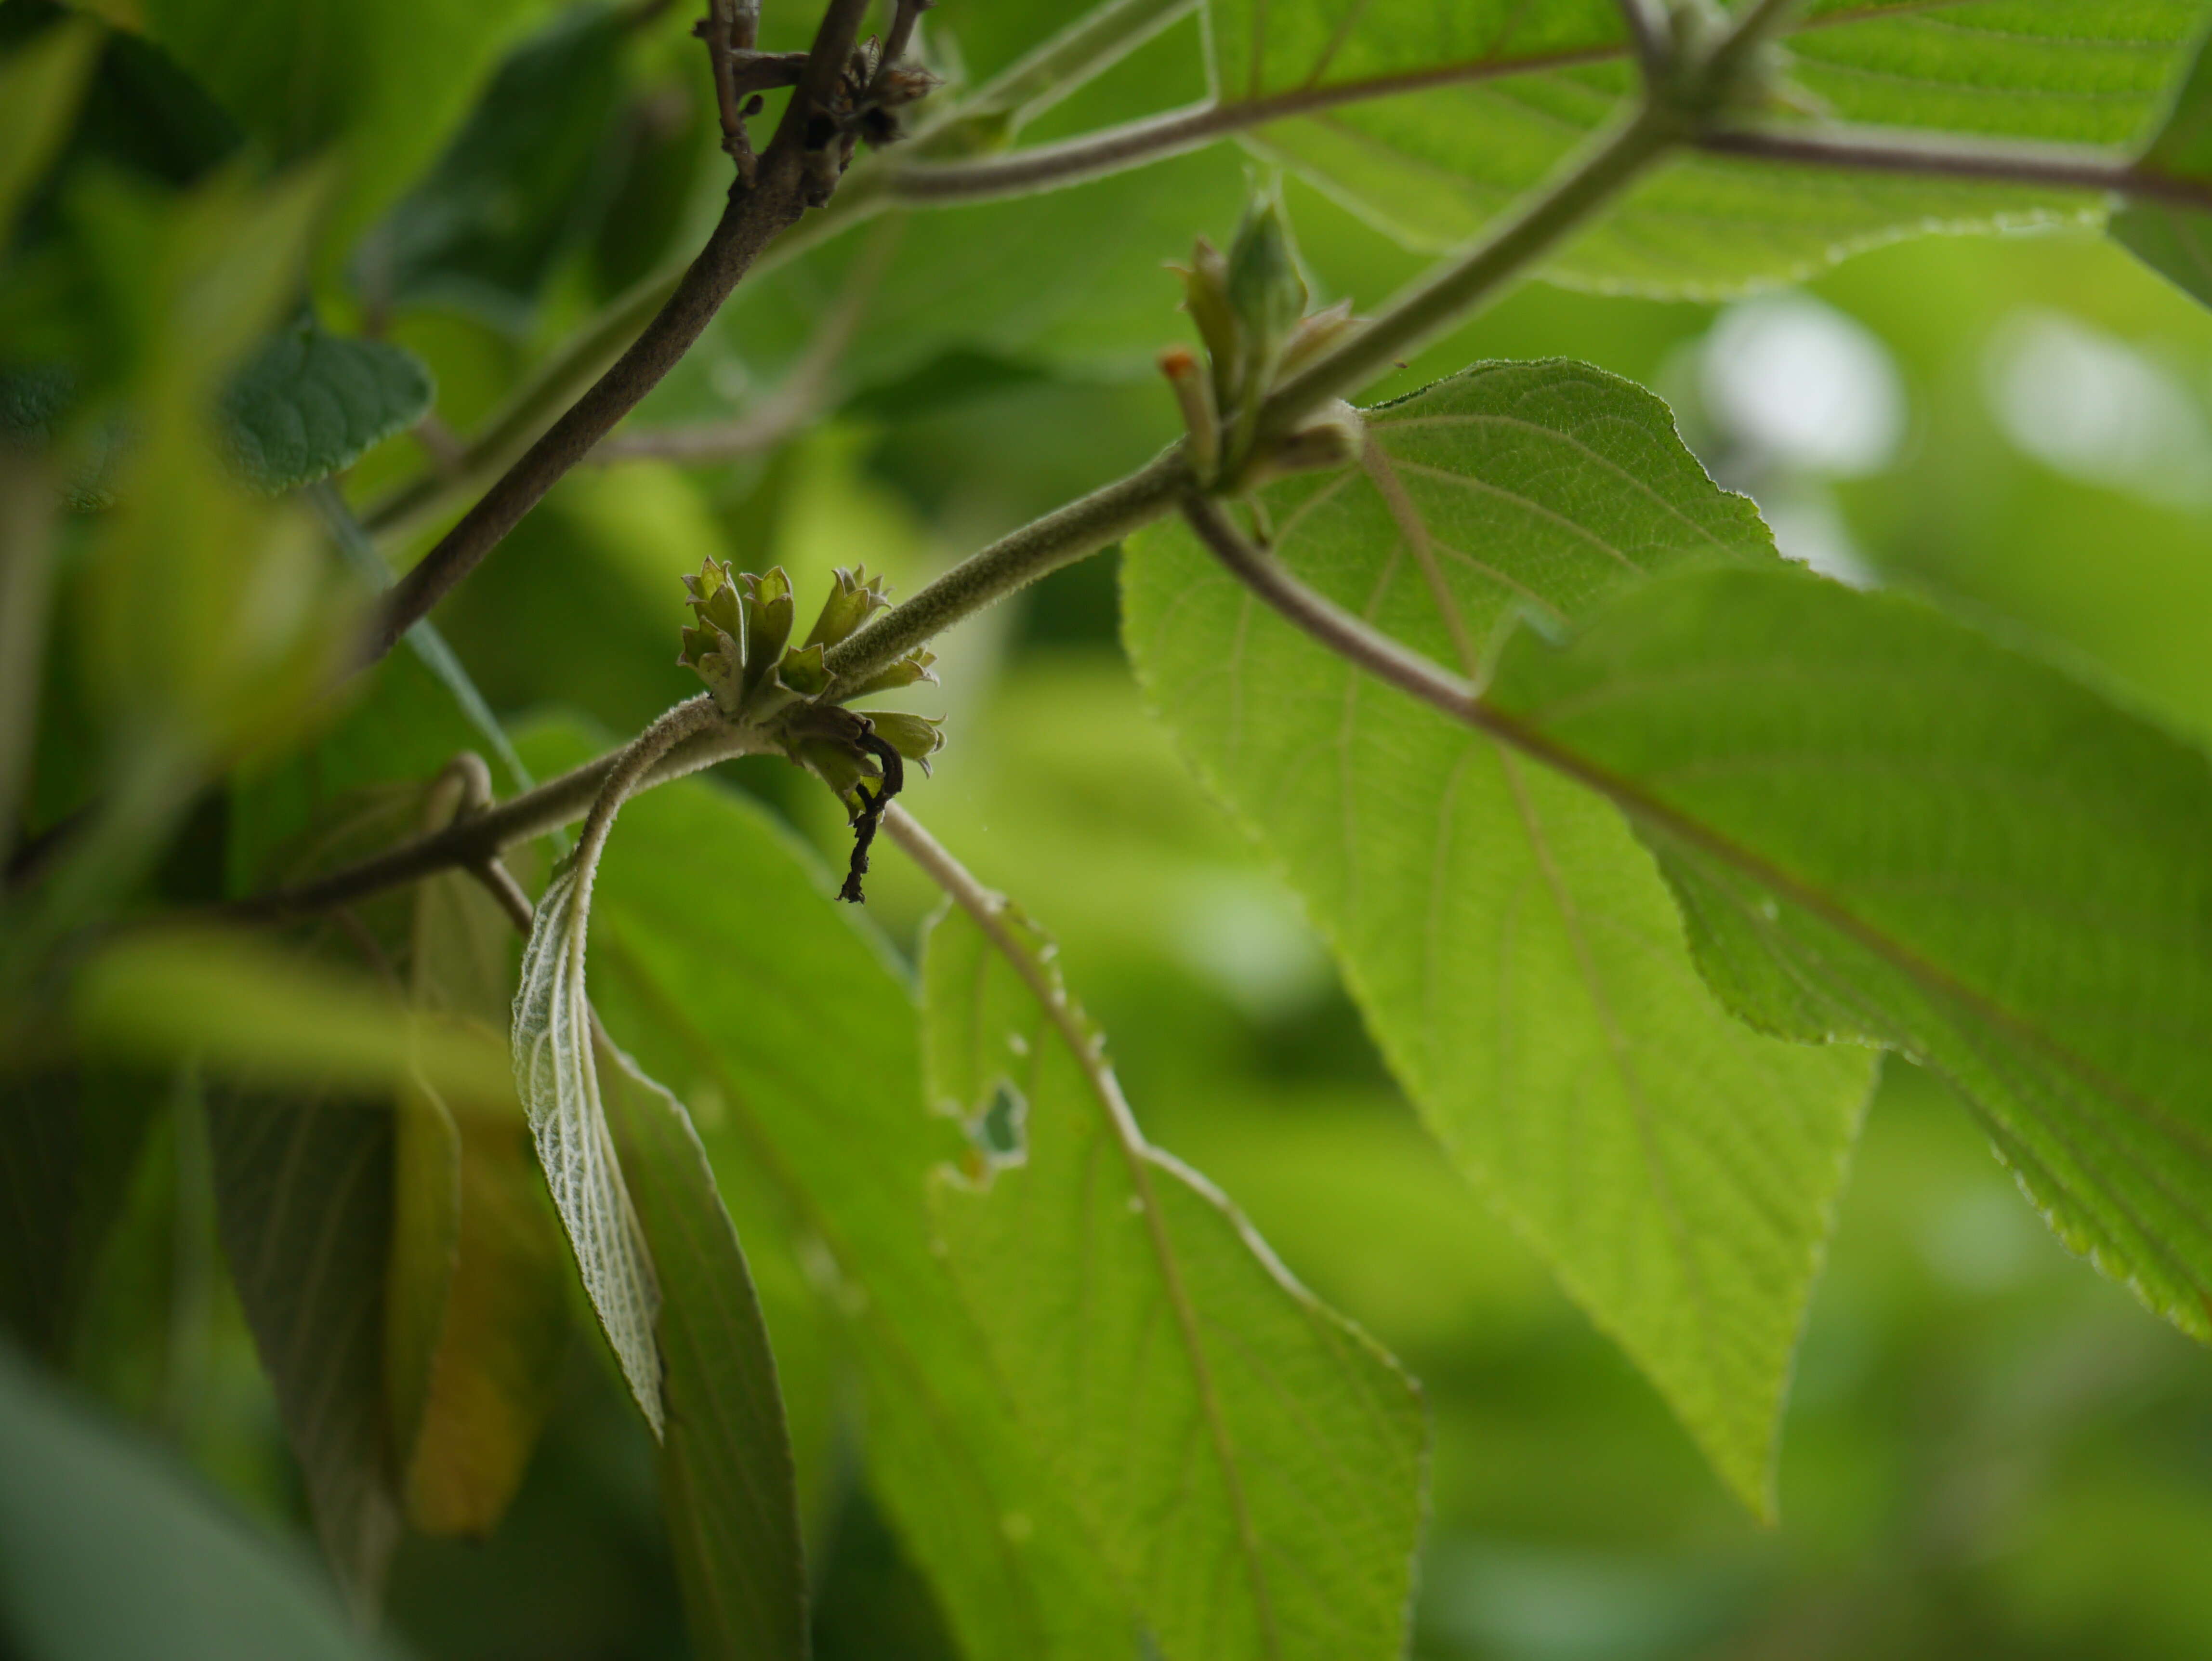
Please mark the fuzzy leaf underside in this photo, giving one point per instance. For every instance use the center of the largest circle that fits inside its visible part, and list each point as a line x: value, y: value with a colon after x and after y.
x: 1530, y: 83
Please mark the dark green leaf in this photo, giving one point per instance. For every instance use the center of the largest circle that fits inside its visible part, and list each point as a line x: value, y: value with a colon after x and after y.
x: 303, y: 1198
x: 384, y: 82
x: 733, y: 973
x: 310, y: 403
x: 729, y: 1489
x: 69, y: 1141
x: 41, y: 81
x: 521, y: 183
x: 105, y: 1551
x: 1129, y: 1311
x: 1516, y: 955
x: 477, y: 1315
x: 1526, y: 83
x: 1882, y: 823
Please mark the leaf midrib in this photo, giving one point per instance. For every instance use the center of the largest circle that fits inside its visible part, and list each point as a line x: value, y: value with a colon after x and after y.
x: 1137, y: 1155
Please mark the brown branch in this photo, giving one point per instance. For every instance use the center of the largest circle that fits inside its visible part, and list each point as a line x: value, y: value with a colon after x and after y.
x: 1874, y: 150
x: 790, y: 179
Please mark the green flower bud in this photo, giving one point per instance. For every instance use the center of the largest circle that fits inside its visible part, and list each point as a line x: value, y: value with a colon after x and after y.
x: 769, y: 613
x: 1206, y: 297
x: 1316, y: 335
x: 803, y: 672
x: 714, y: 650
x: 902, y: 672
x: 1265, y: 289
x: 715, y: 598
x: 853, y: 595
x: 1332, y: 436
x: 915, y: 737
x: 837, y: 766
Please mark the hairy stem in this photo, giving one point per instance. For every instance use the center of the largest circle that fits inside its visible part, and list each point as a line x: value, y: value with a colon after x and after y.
x: 757, y: 213
x: 1021, y: 557
x: 1611, y: 162
x: 472, y: 842
x: 633, y: 766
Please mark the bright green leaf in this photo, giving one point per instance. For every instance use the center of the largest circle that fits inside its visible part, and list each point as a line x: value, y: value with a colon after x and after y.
x: 303, y: 1201
x: 383, y: 82
x: 1514, y: 951
x: 735, y: 975
x: 310, y: 403
x: 266, y: 1017
x: 1524, y: 84
x: 1883, y: 822
x: 106, y: 1551
x: 729, y: 1489
x: 2174, y: 242
x: 41, y: 82
x: 1250, y: 1465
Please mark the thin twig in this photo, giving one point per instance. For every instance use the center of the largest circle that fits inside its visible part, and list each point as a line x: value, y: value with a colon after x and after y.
x: 1349, y: 636
x: 463, y: 791
x: 1648, y: 30
x: 900, y: 38
x: 790, y: 178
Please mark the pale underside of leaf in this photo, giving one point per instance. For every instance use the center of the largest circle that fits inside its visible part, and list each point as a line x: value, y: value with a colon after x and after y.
x: 1523, y: 85
x: 1514, y: 951
x: 559, y: 1084
x: 1250, y: 1465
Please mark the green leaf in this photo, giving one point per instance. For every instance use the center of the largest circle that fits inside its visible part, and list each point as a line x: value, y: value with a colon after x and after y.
x: 269, y: 1018
x: 41, y: 82
x: 740, y: 979
x: 311, y: 404
x: 384, y: 83
x: 477, y: 1312
x: 408, y: 722
x: 559, y: 1084
x: 521, y: 185
x: 1515, y: 952
x: 1522, y: 85
x: 1883, y: 822
x: 70, y: 1140
x: 2173, y: 242
x: 729, y: 1488
x: 106, y: 1551
x: 303, y: 1203
x: 1250, y: 1465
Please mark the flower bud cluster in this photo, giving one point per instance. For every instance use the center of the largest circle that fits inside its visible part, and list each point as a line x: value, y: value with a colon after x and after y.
x: 739, y: 644
x: 1250, y: 309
